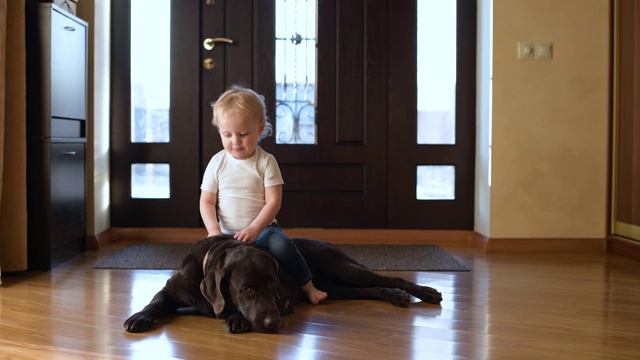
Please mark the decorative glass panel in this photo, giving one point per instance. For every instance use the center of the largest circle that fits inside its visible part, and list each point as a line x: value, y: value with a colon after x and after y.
x: 436, y: 72
x: 436, y: 182
x: 150, y: 181
x: 150, y: 71
x: 295, y: 72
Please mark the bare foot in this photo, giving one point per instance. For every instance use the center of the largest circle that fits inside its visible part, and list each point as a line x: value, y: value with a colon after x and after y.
x: 314, y: 295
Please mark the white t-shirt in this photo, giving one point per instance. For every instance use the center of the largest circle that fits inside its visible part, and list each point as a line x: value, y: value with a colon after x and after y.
x: 239, y: 185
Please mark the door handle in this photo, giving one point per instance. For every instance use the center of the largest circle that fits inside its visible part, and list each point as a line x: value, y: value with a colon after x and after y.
x: 210, y: 43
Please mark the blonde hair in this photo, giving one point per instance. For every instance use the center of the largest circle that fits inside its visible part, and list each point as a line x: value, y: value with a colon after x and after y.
x: 241, y: 99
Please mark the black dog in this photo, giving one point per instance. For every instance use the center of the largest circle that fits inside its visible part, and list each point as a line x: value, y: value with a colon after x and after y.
x: 229, y: 279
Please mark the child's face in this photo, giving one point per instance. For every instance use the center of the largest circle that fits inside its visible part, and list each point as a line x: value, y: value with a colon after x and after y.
x: 239, y: 133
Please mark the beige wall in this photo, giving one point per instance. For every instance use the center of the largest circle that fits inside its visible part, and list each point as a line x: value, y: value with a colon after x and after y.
x: 549, y: 122
x: 13, y: 208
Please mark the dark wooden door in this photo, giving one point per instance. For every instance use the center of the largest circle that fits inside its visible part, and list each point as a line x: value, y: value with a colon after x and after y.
x: 627, y: 163
x: 361, y: 172
x: 340, y: 182
x: 248, y: 61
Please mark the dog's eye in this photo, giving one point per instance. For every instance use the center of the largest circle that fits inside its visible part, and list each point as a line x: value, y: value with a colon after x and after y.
x: 248, y: 291
x: 273, y: 284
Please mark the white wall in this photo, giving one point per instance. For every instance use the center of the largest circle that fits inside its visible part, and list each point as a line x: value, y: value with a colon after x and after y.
x: 482, y: 211
x: 98, y: 14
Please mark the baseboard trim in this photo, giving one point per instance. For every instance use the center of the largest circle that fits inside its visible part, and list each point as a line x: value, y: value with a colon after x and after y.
x: 338, y: 236
x: 544, y: 245
x: 95, y: 242
x: 382, y: 236
x: 621, y: 246
x: 385, y: 236
x: 159, y: 234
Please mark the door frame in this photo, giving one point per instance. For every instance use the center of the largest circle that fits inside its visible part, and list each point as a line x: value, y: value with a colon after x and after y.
x: 618, y: 227
x: 142, y: 213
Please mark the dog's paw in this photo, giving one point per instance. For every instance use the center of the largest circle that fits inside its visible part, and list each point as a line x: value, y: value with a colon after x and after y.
x: 430, y: 295
x: 138, y: 322
x: 397, y: 297
x: 237, y: 324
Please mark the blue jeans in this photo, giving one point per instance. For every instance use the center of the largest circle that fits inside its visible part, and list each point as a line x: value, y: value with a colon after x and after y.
x: 285, y: 252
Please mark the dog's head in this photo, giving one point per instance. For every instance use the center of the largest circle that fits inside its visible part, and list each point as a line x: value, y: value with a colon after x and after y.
x: 244, y: 279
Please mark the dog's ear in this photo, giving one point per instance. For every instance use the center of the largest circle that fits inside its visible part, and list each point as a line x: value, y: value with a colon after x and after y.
x: 218, y: 302
x: 213, y: 284
x: 211, y: 288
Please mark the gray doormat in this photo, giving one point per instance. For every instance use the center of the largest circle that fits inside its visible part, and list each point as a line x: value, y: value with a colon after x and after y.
x: 168, y: 256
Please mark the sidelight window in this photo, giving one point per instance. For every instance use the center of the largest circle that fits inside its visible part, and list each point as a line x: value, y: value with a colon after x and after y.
x: 150, y: 181
x: 436, y: 72
x: 436, y: 81
x: 150, y: 54
x: 436, y: 182
x: 295, y: 31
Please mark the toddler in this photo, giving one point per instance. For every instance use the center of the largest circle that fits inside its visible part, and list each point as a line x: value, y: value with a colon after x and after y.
x: 242, y: 185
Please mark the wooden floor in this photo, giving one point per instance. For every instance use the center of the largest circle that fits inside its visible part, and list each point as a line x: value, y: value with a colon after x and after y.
x: 543, y: 306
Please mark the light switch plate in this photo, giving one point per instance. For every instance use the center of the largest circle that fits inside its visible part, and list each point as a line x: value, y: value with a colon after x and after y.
x: 543, y: 51
x: 526, y: 50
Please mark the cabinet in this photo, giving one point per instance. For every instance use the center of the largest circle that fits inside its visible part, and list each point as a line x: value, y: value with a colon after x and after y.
x: 56, y: 135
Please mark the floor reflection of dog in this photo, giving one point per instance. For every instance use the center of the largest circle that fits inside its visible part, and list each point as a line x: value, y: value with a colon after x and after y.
x: 228, y: 279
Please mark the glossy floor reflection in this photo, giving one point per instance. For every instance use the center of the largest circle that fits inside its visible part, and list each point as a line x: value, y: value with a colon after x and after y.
x: 560, y: 306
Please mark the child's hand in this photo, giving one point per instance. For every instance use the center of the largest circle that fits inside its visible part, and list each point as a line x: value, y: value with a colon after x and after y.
x: 248, y: 234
